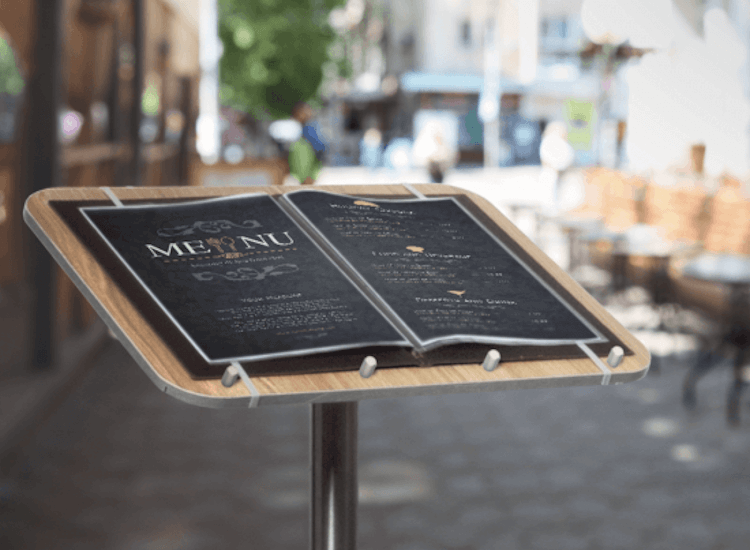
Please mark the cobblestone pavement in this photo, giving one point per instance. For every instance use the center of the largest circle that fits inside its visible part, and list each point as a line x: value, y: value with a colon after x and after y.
x: 123, y: 466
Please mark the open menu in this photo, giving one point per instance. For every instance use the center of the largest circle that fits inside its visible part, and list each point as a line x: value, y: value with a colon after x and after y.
x: 252, y: 278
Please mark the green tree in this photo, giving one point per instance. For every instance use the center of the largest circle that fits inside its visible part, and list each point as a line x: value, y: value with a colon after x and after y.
x: 274, y: 51
x: 11, y: 81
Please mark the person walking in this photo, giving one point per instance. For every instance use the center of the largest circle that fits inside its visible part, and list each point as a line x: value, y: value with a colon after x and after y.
x: 306, y: 154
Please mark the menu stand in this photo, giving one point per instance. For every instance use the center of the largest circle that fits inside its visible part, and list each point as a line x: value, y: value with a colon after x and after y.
x: 333, y: 396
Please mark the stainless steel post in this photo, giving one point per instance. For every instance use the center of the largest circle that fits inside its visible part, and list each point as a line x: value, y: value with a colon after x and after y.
x: 333, y: 462
x: 136, y: 113
x: 42, y: 157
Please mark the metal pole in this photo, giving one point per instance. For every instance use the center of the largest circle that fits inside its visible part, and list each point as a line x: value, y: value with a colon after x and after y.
x: 490, y: 98
x: 139, y: 43
x: 333, y: 464
x: 42, y: 152
x: 115, y: 130
x: 186, y: 106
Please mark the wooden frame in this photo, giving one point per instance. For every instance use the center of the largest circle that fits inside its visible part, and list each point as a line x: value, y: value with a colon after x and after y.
x: 161, y: 365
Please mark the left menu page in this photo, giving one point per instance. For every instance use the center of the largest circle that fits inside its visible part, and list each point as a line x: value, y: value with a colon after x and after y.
x: 240, y: 279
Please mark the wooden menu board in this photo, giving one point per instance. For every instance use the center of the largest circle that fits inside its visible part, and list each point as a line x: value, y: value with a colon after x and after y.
x: 51, y: 215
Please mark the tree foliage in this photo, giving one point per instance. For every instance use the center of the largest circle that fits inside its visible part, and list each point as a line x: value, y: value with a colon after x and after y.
x: 274, y: 51
x: 11, y: 81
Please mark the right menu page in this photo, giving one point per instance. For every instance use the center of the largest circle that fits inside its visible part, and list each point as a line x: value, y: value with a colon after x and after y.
x: 442, y: 275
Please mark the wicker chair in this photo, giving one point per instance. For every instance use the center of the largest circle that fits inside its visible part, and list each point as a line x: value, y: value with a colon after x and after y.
x: 715, y: 281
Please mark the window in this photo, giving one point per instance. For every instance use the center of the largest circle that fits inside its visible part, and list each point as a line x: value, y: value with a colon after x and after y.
x: 557, y: 34
x: 554, y: 28
x: 466, y: 40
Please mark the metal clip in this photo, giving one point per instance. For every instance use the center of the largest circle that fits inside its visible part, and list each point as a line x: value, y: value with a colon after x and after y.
x: 231, y: 375
x: 615, y: 356
x: 367, y: 369
x: 491, y: 360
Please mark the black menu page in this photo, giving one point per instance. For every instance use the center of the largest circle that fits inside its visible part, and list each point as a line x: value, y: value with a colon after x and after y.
x: 240, y: 279
x: 440, y: 272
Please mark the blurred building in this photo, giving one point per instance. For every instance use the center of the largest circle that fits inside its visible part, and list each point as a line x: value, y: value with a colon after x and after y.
x: 694, y: 90
x: 437, y: 54
x: 413, y: 60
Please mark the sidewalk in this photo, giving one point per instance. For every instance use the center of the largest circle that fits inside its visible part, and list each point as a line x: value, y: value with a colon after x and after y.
x: 28, y: 396
x: 122, y: 466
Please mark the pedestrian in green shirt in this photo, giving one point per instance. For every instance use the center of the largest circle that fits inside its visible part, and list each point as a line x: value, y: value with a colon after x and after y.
x: 305, y: 153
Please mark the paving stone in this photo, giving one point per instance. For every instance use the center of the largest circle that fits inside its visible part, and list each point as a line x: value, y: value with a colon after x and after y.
x: 414, y: 545
x: 122, y: 464
x: 657, y: 500
x: 467, y: 486
x: 481, y: 517
x: 615, y: 537
x: 453, y: 459
x: 689, y: 530
x: 586, y: 506
x: 507, y: 541
x: 408, y: 521
x: 450, y: 535
x: 538, y: 511
x: 566, y: 476
x: 548, y: 541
